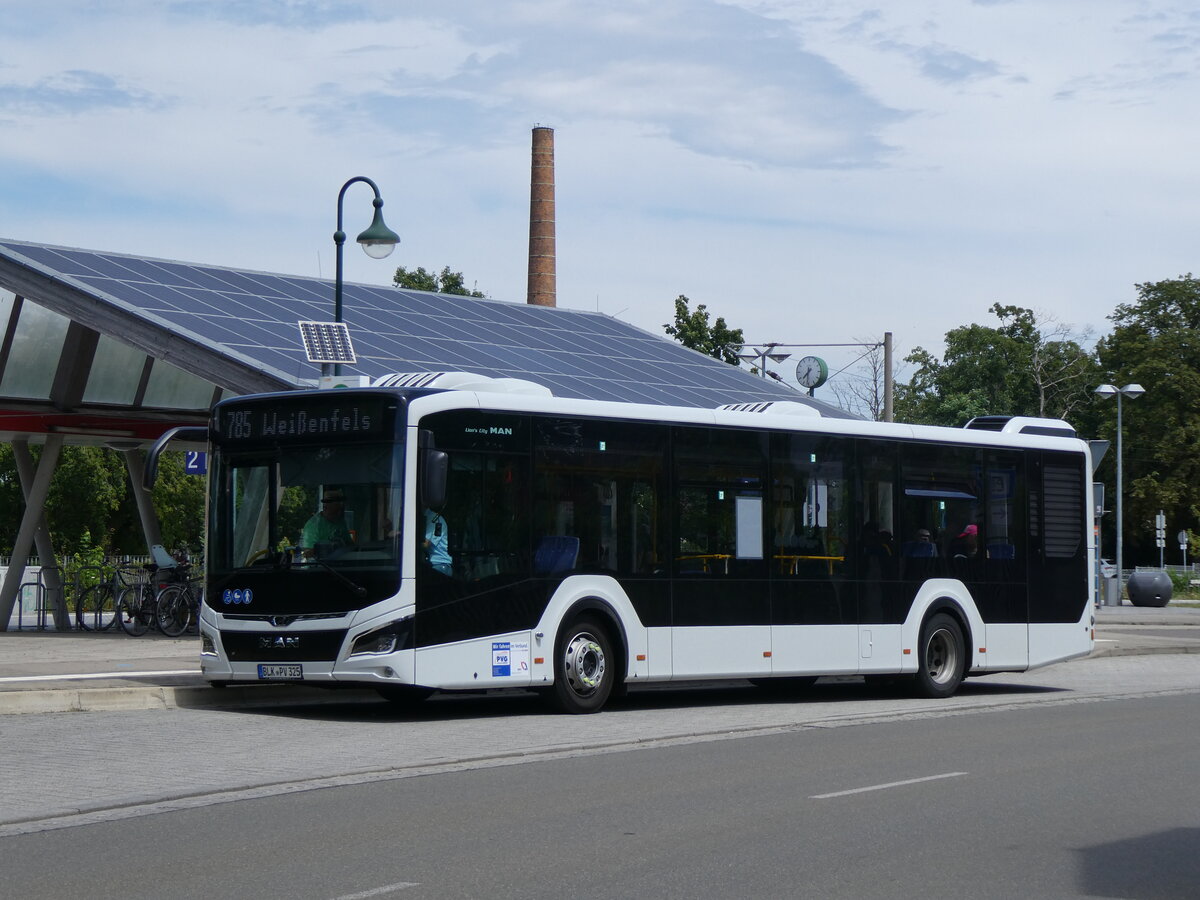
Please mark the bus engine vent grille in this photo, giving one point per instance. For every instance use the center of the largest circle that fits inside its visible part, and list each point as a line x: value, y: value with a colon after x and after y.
x: 774, y: 407
x: 463, y: 381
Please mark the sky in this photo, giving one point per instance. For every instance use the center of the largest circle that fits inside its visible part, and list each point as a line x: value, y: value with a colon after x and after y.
x: 816, y: 173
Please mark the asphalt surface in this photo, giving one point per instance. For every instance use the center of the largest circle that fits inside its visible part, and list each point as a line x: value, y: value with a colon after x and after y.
x: 49, y: 671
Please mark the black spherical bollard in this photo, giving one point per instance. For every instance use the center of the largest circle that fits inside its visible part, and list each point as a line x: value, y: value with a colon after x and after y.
x: 1149, y: 588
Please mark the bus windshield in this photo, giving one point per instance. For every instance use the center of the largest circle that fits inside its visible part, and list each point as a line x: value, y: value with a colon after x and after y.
x: 311, y: 505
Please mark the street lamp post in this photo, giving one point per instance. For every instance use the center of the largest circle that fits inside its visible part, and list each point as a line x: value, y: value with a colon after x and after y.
x: 762, y: 354
x: 1132, y: 391
x: 378, y: 241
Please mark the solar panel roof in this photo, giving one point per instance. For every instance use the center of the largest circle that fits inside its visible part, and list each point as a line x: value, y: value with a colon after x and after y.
x: 238, y: 329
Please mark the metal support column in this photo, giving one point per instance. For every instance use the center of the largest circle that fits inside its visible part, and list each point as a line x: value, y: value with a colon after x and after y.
x: 51, y: 574
x: 35, y: 502
x: 889, y: 388
x: 135, y: 462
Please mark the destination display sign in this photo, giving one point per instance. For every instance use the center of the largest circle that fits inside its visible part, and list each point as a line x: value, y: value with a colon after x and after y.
x: 335, y: 416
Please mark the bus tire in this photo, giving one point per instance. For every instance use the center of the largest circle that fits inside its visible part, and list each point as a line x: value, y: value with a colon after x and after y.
x: 584, y: 667
x: 942, y: 663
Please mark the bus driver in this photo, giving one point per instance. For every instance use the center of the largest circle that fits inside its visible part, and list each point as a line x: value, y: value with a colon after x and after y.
x: 328, y: 527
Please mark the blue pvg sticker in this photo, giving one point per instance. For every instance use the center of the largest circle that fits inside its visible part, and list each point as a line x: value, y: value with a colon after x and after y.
x: 236, y: 596
x: 501, y: 658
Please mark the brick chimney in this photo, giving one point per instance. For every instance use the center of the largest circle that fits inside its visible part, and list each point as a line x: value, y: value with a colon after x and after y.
x: 541, y: 219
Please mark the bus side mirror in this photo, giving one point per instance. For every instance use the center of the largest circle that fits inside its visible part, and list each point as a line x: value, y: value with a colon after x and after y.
x: 433, y: 478
x: 432, y: 469
x: 192, y: 433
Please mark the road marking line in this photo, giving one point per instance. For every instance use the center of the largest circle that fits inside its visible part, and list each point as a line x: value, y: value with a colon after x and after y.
x: 123, y: 674
x: 883, y: 787
x: 375, y: 892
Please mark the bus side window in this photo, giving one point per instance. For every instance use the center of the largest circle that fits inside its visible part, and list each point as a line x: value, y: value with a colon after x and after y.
x: 719, y: 524
x: 810, y: 508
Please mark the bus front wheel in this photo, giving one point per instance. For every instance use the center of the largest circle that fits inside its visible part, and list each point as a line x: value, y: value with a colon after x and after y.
x: 584, y: 667
x: 943, y: 660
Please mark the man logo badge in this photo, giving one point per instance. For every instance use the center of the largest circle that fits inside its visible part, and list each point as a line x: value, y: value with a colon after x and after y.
x: 267, y: 642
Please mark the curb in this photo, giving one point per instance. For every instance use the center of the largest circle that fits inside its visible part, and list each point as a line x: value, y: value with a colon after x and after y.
x: 128, y: 699
x: 1118, y: 650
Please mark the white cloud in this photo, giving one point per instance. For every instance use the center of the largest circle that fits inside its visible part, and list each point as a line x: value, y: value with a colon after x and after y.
x: 809, y: 170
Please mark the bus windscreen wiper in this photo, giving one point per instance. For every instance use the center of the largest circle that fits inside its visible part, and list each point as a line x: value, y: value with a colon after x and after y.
x: 359, y: 590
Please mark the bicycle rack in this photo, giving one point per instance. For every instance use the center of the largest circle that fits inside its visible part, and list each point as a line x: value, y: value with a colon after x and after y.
x: 40, y: 607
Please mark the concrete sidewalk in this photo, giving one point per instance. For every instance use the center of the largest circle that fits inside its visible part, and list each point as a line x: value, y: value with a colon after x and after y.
x: 48, y: 671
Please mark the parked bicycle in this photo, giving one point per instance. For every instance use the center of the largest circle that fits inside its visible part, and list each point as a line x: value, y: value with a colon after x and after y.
x: 137, y: 605
x: 96, y: 606
x: 179, y: 608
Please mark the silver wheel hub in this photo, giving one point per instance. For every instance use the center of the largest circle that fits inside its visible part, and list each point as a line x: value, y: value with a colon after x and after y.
x: 941, y: 656
x: 584, y: 663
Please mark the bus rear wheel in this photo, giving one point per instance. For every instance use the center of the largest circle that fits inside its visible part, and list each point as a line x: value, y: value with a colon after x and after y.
x: 584, y: 667
x: 942, y: 664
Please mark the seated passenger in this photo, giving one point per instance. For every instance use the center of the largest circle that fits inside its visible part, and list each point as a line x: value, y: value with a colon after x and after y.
x: 966, y: 545
x: 923, y: 547
x: 437, y: 543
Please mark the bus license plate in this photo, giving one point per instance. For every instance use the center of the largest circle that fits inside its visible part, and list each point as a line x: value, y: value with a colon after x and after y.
x: 277, y: 672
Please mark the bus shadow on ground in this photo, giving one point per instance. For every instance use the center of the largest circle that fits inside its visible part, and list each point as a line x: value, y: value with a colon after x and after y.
x: 501, y: 704
x: 1163, y: 865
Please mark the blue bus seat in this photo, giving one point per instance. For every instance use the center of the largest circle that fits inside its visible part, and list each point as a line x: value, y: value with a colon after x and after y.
x: 556, y: 553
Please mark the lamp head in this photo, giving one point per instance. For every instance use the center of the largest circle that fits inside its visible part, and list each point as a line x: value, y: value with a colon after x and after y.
x: 378, y: 241
x: 1133, y: 391
x: 1105, y: 391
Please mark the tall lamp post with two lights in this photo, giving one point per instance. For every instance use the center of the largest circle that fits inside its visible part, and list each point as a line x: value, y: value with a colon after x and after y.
x: 1132, y: 391
x: 378, y: 241
x: 761, y: 355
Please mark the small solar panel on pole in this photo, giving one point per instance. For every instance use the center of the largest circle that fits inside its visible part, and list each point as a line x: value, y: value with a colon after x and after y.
x: 327, y: 343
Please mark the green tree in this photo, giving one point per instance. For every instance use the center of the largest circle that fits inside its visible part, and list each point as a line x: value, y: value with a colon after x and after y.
x: 90, y: 505
x: 179, y: 500
x: 87, y: 491
x: 444, y: 282
x: 1155, y: 342
x: 11, y: 500
x: 1022, y: 367
x: 692, y: 329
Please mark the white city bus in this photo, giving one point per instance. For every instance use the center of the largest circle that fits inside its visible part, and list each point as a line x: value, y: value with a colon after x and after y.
x: 586, y: 546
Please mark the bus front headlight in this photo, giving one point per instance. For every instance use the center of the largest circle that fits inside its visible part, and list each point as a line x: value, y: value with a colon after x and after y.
x: 388, y: 639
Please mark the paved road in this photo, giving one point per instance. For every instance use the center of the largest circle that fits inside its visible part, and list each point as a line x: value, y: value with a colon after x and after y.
x: 61, y: 769
x: 1043, y: 788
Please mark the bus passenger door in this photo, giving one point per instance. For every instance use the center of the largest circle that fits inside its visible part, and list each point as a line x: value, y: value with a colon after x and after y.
x: 814, y: 618
x: 720, y: 595
x: 883, y: 602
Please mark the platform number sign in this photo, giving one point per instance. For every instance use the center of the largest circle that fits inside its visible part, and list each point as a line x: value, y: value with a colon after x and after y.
x: 195, y: 462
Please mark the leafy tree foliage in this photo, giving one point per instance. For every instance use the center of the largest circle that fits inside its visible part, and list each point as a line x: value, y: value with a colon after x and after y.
x: 90, y: 506
x: 692, y: 329
x: 86, y: 498
x: 1155, y: 342
x: 179, y: 500
x: 444, y: 282
x: 11, y: 501
x: 1021, y: 367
